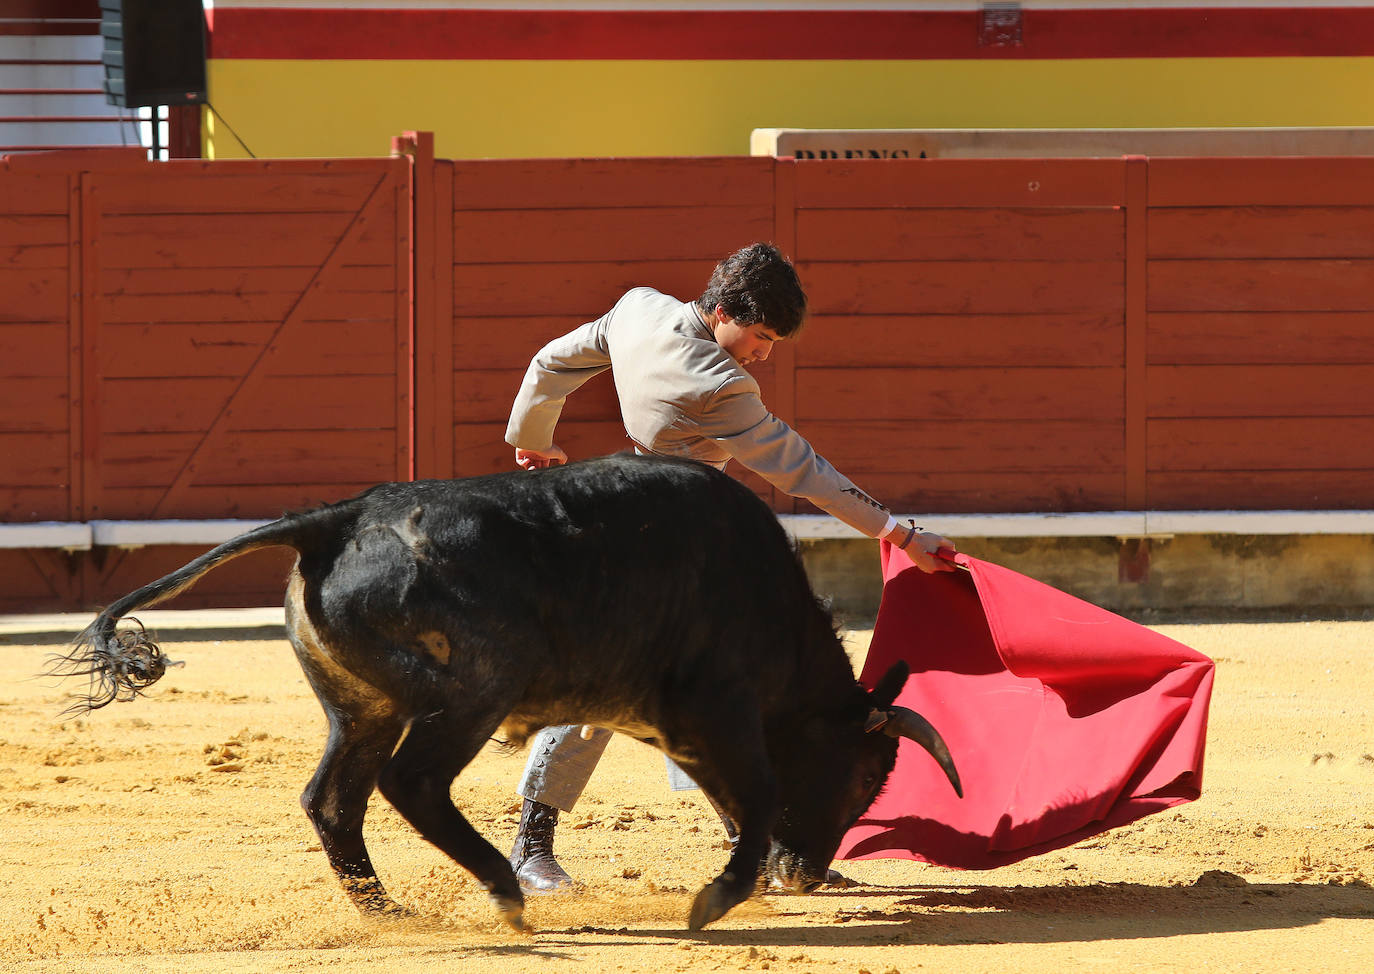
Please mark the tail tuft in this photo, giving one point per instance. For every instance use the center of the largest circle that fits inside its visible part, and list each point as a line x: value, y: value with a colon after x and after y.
x: 119, y: 663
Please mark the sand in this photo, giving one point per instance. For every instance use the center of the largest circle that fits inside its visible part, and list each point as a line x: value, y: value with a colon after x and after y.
x: 166, y: 835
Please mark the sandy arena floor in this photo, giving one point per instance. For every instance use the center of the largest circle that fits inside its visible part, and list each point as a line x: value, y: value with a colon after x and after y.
x: 165, y: 835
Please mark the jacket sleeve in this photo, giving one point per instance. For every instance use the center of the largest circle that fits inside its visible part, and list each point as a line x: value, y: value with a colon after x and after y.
x: 557, y: 370
x: 737, y: 419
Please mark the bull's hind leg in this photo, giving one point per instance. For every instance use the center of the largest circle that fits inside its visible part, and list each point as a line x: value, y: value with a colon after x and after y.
x: 336, y: 802
x: 363, y: 730
x: 417, y: 781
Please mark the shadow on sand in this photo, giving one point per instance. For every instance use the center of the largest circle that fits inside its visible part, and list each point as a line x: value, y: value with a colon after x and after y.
x: 931, y: 915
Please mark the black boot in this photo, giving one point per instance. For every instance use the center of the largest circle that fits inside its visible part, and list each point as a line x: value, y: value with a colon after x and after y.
x: 536, y: 869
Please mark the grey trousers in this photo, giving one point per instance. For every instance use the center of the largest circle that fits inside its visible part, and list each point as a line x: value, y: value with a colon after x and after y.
x: 561, y: 763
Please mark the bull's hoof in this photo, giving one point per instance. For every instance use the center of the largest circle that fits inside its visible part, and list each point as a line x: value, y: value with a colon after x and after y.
x: 713, y: 902
x: 511, y: 908
x: 374, y: 903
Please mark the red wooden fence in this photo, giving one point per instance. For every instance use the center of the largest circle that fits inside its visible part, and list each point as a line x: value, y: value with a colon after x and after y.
x: 231, y: 339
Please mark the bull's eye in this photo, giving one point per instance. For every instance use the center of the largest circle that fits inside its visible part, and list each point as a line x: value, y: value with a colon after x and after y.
x: 870, y: 780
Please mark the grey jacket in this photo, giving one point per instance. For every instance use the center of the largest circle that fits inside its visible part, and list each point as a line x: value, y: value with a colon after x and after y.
x: 681, y: 395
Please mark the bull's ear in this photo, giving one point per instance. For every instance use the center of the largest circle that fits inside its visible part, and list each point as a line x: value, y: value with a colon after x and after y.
x: 889, y: 686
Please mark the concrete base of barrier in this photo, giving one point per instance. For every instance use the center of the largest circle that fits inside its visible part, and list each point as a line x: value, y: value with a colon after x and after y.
x: 1193, y: 576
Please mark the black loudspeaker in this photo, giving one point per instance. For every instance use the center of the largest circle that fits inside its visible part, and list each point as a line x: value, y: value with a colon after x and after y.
x: 154, y: 52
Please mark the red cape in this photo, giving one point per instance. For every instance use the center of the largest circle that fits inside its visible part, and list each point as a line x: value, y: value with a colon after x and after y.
x: 1063, y: 719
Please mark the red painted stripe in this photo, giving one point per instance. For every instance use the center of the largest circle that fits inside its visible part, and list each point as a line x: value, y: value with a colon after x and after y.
x: 305, y: 34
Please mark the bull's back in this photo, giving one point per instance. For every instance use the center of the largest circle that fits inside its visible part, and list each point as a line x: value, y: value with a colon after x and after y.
x: 625, y: 571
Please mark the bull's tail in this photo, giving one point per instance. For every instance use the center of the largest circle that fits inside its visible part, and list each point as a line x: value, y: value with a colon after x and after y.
x: 121, y: 663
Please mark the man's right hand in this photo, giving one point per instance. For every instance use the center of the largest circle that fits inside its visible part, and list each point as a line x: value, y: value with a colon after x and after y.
x: 539, y: 459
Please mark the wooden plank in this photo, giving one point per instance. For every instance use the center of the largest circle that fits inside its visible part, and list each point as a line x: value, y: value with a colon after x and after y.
x: 33, y: 294
x: 585, y: 290
x: 332, y: 304
x: 1196, y: 391
x: 337, y: 348
x: 1262, y: 231
x: 36, y: 581
x: 959, y: 182
x: 700, y: 232
x: 960, y: 287
x: 943, y: 233
x: 480, y: 448
x: 437, y: 346
x: 1261, y: 285
x: 1262, y: 490
x: 1273, y: 444
x: 1137, y: 329
x: 174, y: 405
x: 214, y: 188
x: 565, y: 183
x: 33, y: 193
x: 940, y: 490
x: 33, y: 349
x: 490, y: 342
x: 33, y: 241
x: 237, y: 500
x: 485, y: 396
x: 33, y: 404
x: 242, y: 240
x: 973, y: 446
x: 85, y: 312
x: 1240, y: 338
x: 33, y: 459
x: 77, y: 354
x: 1262, y: 181
x: 959, y: 394
x: 428, y: 341
x: 351, y: 278
x: 961, y: 340
x: 44, y: 502
x: 242, y: 458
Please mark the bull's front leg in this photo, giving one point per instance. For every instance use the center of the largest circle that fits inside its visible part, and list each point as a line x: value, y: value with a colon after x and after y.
x: 732, y: 765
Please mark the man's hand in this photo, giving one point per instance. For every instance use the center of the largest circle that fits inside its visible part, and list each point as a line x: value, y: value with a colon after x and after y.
x: 923, y: 547
x: 539, y: 459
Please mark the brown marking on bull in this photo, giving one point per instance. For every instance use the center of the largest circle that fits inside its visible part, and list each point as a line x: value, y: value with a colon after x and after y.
x: 436, y: 644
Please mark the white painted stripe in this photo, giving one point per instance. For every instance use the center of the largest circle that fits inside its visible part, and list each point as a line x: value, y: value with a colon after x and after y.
x: 131, y: 534
x: 153, y: 619
x: 1108, y: 524
x: 1260, y: 522
x: 46, y: 534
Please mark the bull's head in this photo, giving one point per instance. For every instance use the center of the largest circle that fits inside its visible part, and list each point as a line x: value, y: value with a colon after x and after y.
x: 844, y: 765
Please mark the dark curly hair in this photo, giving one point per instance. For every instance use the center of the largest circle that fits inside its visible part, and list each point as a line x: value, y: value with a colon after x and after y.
x: 757, y: 285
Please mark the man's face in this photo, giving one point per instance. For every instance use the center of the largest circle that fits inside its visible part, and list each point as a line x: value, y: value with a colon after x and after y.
x: 746, y: 343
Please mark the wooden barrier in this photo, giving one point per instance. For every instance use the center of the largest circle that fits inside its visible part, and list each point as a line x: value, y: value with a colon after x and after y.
x: 208, y: 340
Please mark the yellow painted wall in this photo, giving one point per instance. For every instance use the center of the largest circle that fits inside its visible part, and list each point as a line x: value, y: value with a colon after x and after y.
x: 515, y: 109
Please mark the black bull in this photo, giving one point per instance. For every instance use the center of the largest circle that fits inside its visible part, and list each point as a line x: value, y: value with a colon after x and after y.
x: 659, y: 598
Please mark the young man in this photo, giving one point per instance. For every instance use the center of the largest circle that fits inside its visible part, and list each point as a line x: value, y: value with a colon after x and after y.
x: 679, y: 371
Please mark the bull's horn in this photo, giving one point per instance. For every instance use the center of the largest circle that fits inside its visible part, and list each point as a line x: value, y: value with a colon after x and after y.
x: 903, y: 722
